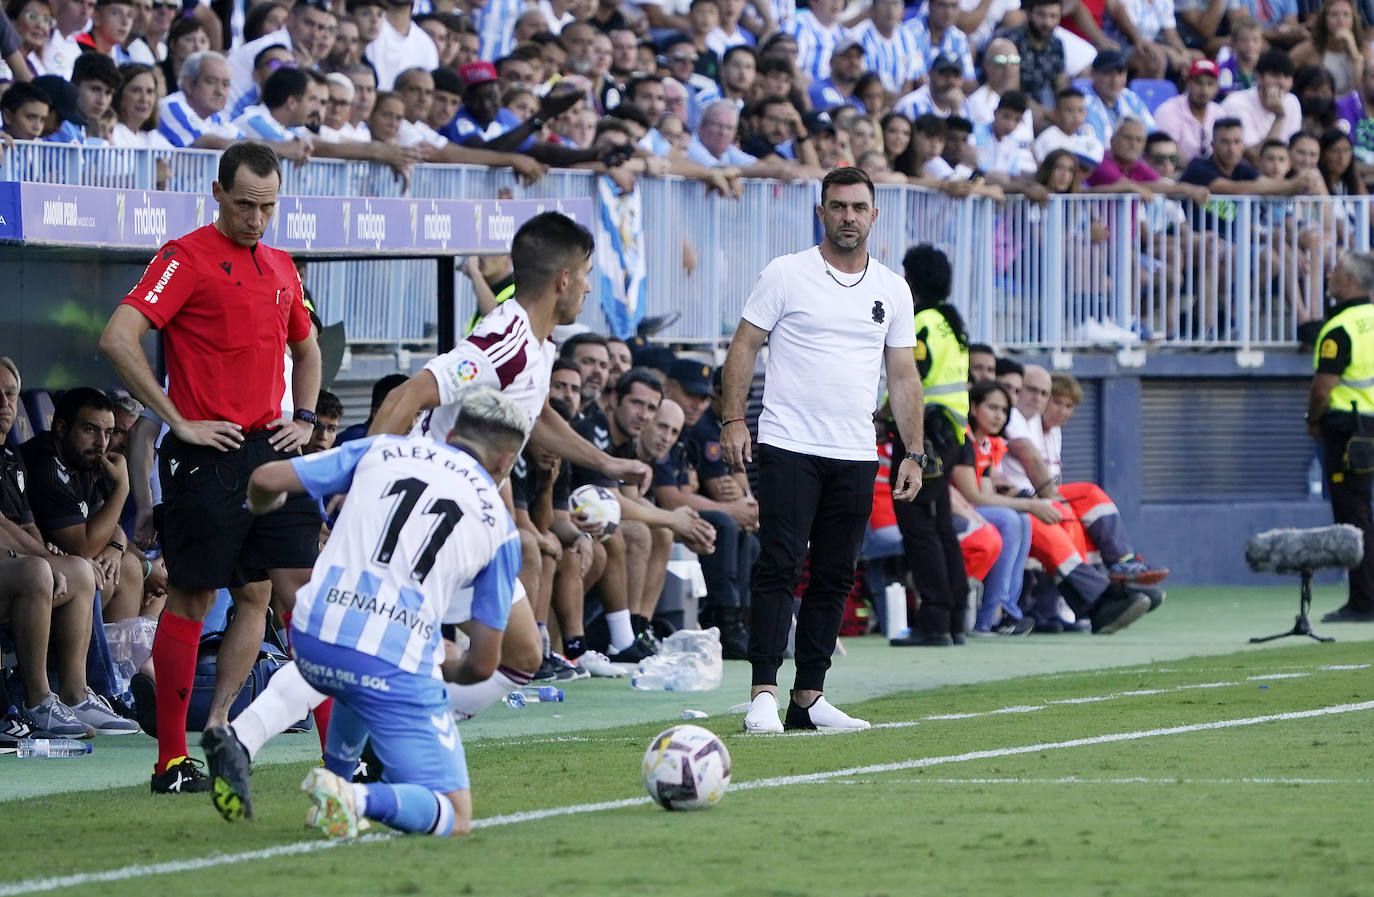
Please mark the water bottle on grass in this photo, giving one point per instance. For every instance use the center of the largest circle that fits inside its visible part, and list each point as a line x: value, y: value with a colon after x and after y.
x: 53, y: 747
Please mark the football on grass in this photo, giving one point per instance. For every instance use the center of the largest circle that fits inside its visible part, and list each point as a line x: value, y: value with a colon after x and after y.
x: 596, y: 504
x: 686, y: 768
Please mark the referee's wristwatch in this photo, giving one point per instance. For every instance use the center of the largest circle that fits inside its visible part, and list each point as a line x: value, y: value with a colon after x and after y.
x: 919, y: 457
x: 306, y: 415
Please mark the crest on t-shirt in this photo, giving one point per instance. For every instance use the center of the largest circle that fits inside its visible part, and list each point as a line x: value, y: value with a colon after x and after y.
x: 878, y: 311
x: 713, y: 451
x: 467, y: 370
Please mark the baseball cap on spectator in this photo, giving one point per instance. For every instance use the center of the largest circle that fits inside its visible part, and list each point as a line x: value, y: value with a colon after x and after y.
x: 693, y: 376
x: 479, y: 72
x: 1274, y: 62
x: 946, y: 62
x: 650, y: 355
x: 62, y: 94
x: 818, y: 123
x: 1109, y: 61
x: 1203, y: 67
x: 1087, y: 154
x: 447, y: 80
x: 845, y: 44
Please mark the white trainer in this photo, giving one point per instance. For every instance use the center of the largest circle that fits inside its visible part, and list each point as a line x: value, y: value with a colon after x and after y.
x: 97, y: 713
x: 598, y: 664
x: 825, y: 715
x: 335, y: 813
x: 762, y: 717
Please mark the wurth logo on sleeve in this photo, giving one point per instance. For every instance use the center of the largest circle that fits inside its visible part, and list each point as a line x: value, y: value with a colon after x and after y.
x: 155, y: 293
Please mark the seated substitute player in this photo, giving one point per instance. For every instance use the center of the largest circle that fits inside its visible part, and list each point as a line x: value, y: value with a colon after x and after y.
x: 366, y: 630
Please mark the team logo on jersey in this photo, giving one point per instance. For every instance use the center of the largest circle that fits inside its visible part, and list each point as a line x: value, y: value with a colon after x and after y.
x: 467, y: 371
x: 85, y: 510
x: 227, y: 266
x: 879, y: 313
x: 713, y: 451
x: 1329, y: 348
x: 19, y: 479
x: 61, y: 472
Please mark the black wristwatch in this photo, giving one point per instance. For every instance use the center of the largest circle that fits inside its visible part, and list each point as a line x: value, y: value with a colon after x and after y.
x: 919, y: 457
x: 306, y: 415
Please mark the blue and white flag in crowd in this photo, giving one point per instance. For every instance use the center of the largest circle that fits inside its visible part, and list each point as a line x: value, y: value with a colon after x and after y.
x: 620, y: 259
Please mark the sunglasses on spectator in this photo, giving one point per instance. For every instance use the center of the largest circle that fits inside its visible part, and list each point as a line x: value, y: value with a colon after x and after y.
x: 1165, y: 158
x: 1006, y: 59
x: 38, y: 19
x: 685, y: 57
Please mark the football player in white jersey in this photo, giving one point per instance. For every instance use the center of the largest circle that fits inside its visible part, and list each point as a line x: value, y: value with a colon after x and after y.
x: 424, y: 524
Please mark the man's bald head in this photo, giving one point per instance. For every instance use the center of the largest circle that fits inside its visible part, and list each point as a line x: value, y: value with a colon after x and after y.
x: 1035, y: 391
x: 662, y: 433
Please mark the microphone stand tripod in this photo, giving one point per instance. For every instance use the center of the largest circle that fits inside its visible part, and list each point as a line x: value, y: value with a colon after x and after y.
x: 1300, y: 625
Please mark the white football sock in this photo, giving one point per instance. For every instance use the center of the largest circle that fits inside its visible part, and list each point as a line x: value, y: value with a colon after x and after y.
x: 286, y: 699
x: 466, y: 701
x: 622, y: 633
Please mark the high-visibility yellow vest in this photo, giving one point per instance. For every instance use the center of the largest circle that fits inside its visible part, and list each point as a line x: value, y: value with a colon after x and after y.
x: 502, y: 296
x: 1356, y: 386
x: 946, y: 382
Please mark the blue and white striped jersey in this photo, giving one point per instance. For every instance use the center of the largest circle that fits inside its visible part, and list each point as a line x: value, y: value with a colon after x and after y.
x: 954, y: 41
x: 496, y: 26
x: 180, y: 124
x: 815, y: 43
x: 423, y: 522
x: 896, y: 59
x: 256, y: 123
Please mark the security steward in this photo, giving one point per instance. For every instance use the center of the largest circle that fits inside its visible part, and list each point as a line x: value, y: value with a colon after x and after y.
x: 1340, y: 412
x: 927, y: 523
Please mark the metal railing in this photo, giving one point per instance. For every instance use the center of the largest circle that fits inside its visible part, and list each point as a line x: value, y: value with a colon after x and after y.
x: 1080, y: 270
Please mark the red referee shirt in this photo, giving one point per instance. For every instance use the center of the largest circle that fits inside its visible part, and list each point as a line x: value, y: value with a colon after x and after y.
x: 226, y: 314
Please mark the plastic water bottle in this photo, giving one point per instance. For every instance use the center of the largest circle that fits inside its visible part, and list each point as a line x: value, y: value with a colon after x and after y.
x: 533, y: 694
x: 1314, y: 479
x: 53, y: 747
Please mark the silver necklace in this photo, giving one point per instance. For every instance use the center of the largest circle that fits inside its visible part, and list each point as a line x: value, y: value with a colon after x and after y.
x: 847, y: 286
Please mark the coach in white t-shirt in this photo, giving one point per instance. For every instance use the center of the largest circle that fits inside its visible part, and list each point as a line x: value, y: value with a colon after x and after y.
x: 834, y: 318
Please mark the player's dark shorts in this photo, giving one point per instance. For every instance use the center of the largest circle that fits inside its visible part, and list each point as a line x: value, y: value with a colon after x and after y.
x: 209, y: 539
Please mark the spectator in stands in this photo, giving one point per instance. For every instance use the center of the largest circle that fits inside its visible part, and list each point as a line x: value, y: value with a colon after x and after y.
x: 896, y: 131
x: 815, y: 30
x: 387, y: 118
x: 135, y: 106
x: 714, y: 146
x: 77, y: 492
x: 1002, y: 72
x: 110, y: 28
x: 368, y: 15
x: 335, y: 126
x: 982, y: 363
x: 1009, y: 374
x: 73, y: 17
x: 1337, y: 44
x: 1189, y: 117
x: 309, y: 35
x: 874, y: 98
x: 194, y: 115
x: 279, y: 120
x: 264, y: 18
x: 268, y: 60
x: 34, y: 22
x: 942, y: 96
x: 1070, y: 131
x: 1315, y: 89
x: 936, y: 35
x: 136, y: 44
x: 1227, y: 171
x: 95, y: 78
x: 1337, y: 167
x: 364, y: 95
x: 436, y: 26
x: 782, y: 133
x: 1236, y: 62
x: 1152, y: 33
x: 1356, y: 112
x: 1125, y: 162
x: 1042, y: 56
x: 738, y: 74
x: 1111, y: 100
x: 159, y: 25
x: 348, y: 45
x: 890, y: 50
x: 328, y: 413
x: 186, y: 38
x: 24, y: 108
x: 846, y: 67
x: 1267, y: 111
x: 1004, y: 144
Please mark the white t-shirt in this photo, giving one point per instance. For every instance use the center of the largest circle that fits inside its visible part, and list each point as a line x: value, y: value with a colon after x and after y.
x: 391, y: 54
x: 1050, y: 446
x: 122, y: 136
x: 826, y: 352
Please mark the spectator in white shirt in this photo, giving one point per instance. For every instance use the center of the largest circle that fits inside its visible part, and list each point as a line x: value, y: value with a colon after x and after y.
x: 401, y: 45
x: 335, y: 123
x: 309, y: 33
x: 1002, y: 71
x: 135, y: 105
x: 1004, y: 145
x: 1070, y: 131
x: 73, y: 17
x: 194, y: 115
x: 1269, y: 110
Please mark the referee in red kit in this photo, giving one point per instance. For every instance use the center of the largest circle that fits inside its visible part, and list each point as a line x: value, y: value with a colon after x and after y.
x: 229, y: 309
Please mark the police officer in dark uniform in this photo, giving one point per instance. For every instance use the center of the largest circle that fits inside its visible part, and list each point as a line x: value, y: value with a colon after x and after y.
x: 1341, y: 406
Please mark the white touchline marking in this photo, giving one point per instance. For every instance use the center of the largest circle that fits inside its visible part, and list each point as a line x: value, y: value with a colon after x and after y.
x: 1269, y: 676
x: 1075, y: 780
x: 81, y: 879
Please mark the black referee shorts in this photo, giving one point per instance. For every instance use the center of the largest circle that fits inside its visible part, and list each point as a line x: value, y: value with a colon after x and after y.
x: 209, y: 539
